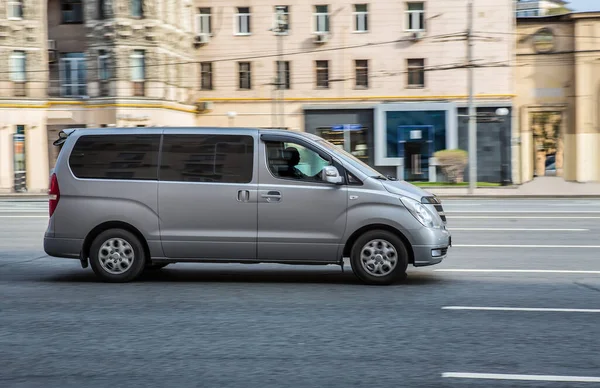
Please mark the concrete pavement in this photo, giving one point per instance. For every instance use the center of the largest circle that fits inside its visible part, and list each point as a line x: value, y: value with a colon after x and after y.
x: 211, y: 325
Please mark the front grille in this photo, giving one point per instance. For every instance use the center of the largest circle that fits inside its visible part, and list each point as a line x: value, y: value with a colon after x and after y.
x: 436, y: 204
x: 444, y: 251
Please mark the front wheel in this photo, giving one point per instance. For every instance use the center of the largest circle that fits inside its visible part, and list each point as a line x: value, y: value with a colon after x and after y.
x: 117, y: 256
x: 379, y: 257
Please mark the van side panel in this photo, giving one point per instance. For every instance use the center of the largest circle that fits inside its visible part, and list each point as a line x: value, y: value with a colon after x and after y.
x: 87, y: 203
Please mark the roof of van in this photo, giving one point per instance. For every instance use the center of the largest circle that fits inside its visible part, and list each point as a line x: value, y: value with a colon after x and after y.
x: 108, y: 130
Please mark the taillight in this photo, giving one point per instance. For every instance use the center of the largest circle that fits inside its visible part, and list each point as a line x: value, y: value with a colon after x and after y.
x: 54, y: 194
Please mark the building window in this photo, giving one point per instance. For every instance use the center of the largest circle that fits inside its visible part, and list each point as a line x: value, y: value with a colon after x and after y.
x: 321, y: 18
x: 242, y: 21
x: 101, y: 9
x: 322, y: 74
x: 18, y: 73
x: 15, y: 9
x: 71, y: 11
x: 138, y: 72
x: 206, y: 76
x: 73, y: 75
x: 361, y: 18
x: 282, y: 19
x: 17, y: 66
x: 103, y: 70
x: 416, y: 73
x: 245, y: 75
x: 283, y: 74
x: 137, y: 8
x: 361, y: 69
x: 203, y: 21
x: 415, y: 16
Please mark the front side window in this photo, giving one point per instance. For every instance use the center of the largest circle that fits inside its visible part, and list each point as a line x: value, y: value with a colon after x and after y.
x: 15, y: 9
x: 290, y: 160
x: 415, y: 16
x: 71, y: 11
x: 321, y: 18
x: 245, y: 75
x: 129, y: 157
x: 242, y: 19
x: 207, y: 158
x: 18, y: 66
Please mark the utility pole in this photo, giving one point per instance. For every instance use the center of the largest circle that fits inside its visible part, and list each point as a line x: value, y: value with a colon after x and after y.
x: 472, y: 111
x: 280, y: 26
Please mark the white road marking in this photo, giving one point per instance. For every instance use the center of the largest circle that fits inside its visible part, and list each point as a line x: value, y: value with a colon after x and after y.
x: 518, y: 271
x: 535, y: 309
x: 502, y: 376
x: 524, y: 246
x: 520, y: 229
x: 24, y: 216
x: 523, y: 217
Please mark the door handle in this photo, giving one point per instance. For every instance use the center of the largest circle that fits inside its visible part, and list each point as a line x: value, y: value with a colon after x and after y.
x: 243, y: 195
x: 272, y: 196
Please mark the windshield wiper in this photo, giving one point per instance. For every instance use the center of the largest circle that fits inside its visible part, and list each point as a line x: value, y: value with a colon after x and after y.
x: 381, y: 177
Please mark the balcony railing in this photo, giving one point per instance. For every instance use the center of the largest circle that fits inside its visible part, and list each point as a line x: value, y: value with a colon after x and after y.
x: 70, y: 88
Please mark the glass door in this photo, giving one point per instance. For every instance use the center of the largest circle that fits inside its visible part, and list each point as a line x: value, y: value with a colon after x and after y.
x: 416, y: 146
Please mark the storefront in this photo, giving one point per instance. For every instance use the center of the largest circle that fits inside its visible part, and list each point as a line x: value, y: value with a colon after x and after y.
x: 350, y: 128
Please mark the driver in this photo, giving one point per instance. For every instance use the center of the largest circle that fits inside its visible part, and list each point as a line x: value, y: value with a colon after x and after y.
x: 292, y: 162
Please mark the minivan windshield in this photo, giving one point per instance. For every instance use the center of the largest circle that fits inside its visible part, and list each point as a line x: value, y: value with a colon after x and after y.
x: 357, y: 163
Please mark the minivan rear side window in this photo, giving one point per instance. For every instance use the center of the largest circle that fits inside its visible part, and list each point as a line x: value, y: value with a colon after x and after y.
x: 207, y: 158
x: 129, y: 157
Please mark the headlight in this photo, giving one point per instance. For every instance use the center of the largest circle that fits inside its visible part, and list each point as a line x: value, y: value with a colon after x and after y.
x: 419, y: 211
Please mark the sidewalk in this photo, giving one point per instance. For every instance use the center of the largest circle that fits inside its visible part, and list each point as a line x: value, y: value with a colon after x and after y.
x: 542, y: 187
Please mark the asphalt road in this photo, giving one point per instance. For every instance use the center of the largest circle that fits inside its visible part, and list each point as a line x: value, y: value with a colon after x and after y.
x: 280, y: 326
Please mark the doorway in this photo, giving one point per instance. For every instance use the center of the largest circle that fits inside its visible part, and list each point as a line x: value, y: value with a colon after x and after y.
x: 547, y: 143
x: 415, y: 145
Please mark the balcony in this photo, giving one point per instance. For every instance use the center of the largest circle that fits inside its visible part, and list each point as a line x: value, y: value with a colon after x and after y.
x: 67, y: 88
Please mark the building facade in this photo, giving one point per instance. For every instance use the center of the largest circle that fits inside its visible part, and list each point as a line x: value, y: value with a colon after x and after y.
x: 530, y: 8
x: 385, y: 80
x: 558, y: 78
x: 75, y: 63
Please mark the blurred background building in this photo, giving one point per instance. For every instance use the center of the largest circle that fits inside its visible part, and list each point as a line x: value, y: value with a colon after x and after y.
x: 387, y: 81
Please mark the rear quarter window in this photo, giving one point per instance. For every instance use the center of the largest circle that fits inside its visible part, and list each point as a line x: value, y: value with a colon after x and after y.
x: 129, y: 157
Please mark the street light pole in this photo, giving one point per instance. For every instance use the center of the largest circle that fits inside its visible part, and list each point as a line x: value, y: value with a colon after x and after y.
x: 472, y: 111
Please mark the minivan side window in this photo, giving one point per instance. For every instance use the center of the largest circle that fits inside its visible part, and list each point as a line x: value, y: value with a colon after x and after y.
x: 289, y: 160
x: 207, y: 158
x: 129, y: 157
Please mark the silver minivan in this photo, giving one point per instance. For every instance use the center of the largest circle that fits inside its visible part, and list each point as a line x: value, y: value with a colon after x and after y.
x: 125, y: 200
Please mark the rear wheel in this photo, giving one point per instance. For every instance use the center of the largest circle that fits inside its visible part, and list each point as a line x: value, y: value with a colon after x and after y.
x: 379, y: 257
x: 117, y: 256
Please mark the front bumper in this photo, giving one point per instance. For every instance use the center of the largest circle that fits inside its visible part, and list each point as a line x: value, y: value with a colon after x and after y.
x: 434, y: 250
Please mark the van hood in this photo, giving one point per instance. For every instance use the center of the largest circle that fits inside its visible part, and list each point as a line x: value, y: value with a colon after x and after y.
x: 405, y: 189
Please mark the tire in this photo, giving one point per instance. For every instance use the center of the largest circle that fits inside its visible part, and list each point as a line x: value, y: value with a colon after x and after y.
x: 156, y: 267
x: 129, y: 257
x: 379, y: 248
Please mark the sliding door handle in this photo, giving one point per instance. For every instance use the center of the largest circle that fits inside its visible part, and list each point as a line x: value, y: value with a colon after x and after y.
x: 272, y: 196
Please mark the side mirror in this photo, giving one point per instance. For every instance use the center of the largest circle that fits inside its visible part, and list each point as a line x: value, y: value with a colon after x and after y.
x: 330, y: 174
